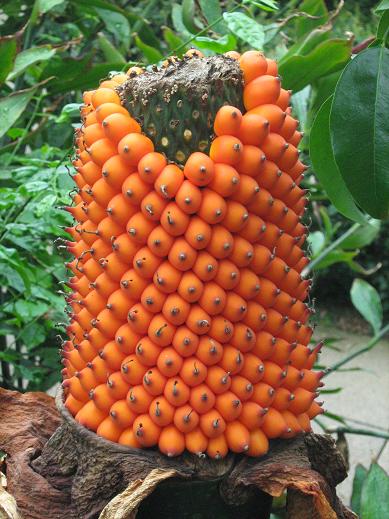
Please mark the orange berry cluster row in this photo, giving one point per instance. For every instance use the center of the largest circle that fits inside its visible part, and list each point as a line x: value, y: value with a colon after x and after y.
x: 188, y: 324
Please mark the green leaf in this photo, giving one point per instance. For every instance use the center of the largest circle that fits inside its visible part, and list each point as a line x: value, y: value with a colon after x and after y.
x: 223, y: 44
x: 188, y: 16
x: 246, y: 29
x: 110, y: 52
x: 325, y: 167
x: 117, y: 24
x: 315, y: 8
x: 12, y: 107
x: 7, y: 56
x: 316, y: 240
x: 46, y: 5
x: 383, y: 26
x: 171, y: 39
x: 359, y: 478
x: 383, y: 6
x: 151, y: 54
x: 212, y: 11
x: 361, y: 102
x: 178, y: 23
x: 300, y: 102
x: 367, y: 301
x: 363, y: 236
x: 375, y: 494
x: 337, y: 256
x: 301, y: 70
x: 265, y: 5
x: 30, y: 56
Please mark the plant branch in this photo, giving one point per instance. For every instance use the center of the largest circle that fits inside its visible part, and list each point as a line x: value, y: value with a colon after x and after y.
x: 329, y: 249
x: 373, y: 341
x: 353, y: 430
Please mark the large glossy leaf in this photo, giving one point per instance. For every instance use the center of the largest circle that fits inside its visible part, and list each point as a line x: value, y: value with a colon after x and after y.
x: 359, y: 478
x: 30, y: 56
x: 363, y: 236
x: 89, y: 78
x: 12, y: 107
x: 265, y: 5
x: 375, y: 494
x: 178, y: 23
x: 7, y: 56
x: 367, y: 301
x: 246, y: 29
x: 329, y: 56
x: 171, y: 39
x: 359, y: 126
x: 305, y: 45
x: 325, y: 167
x: 315, y: 8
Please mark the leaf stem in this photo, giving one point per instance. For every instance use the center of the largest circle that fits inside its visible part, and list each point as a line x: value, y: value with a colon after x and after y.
x: 330, y: 248
x: 373, y: 341
x: 353, y: 430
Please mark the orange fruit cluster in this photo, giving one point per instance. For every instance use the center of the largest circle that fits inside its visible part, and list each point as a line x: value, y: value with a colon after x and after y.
x: 188, y: 327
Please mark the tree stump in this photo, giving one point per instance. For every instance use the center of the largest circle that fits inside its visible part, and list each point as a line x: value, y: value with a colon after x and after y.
x: 55, y: 468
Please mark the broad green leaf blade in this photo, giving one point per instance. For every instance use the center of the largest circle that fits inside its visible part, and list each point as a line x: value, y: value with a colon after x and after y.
x: 336, y: 256
x: 30, y: 56
x: 117, y: 25
x: 375, y: 494
x: 46, y: 5
x: 383, y: 6
x: 7, y: 56
x: 246, y: 29
x: 359, y: 478
x: 178, y: 23
x: 110, y: 52
x: 299, y: 71
x: 367, y: 301
x: 359, y: 126
x: 363, y: 236
x: 188, y: 16
x: 12, y: 107
x: 325, y: 167
x: 223, y: 44
x: 383, y: 26
x: 265, y: 5
x: 212, y: 11
x: 316, y: 240
x: 151, y: 54
x: 171, y: 39
x: 315, y: 8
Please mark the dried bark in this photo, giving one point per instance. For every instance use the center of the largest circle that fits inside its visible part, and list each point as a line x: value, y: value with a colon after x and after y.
x: 77, y: 474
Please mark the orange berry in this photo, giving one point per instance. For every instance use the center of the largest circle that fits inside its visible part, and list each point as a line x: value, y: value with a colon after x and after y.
x: 146, y: 263
x: 139, y: 228
x: 117, y: 125
x: 146, y: 431
x: 227, y: 121
x: 228, y: 275
x: 221, y: 329
x: 176, y: 391
x: 205, y: 266
x: 169, y: 181
x: 153, y: 299
x: 283, y: 99
x: 104, y: 95
x: 209, y: 351
x: 171, y: 441
x: 167, y: 278
x: 259, y: 444
x: 102, y: 398
x: 198, y: 321
x: 150, y: 166
x: 133, y: 147
x: 159, y: 241
x: 198, y: 233
x: 228, y: 405
x: 217, y: 447
x: 138, y: 399
x: 263, y: 394
x: 196, y: 442
x: 134, y: 188
x: 129, y: 439
x: 188, y: 197
x: 169, y: 362
x: 226, y: 149
x: 232, y: 360
x: 193, y: 371
x: 225, y: 180
x: 212, y: 424
x: 199, y: 169
x: 252, y: 415
x: 261, y: 90
x: 181, y: 255
x: 282, y: 399
x: 161, y: 411
x: 185, y: 342
x: 121, y: 414
x: 274, y: 424
x: 243, y: 337
x: 92, y: 133
x: 186, y: 419
x: 253, y: 64
x: 174, y: 220
x: 237, y: 436
x: 272, y: 113
x: 147, y: 352
x: 109, y: 430
x: 253, y: 129
x: 175, y: 309
x: 139, y: 319
x: 101, y: 150
x: 213, y: 207
x: 201, y: 398
x: 90, y: 416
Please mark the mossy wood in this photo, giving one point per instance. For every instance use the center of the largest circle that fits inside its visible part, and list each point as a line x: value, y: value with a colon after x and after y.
x: 77, y: 474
